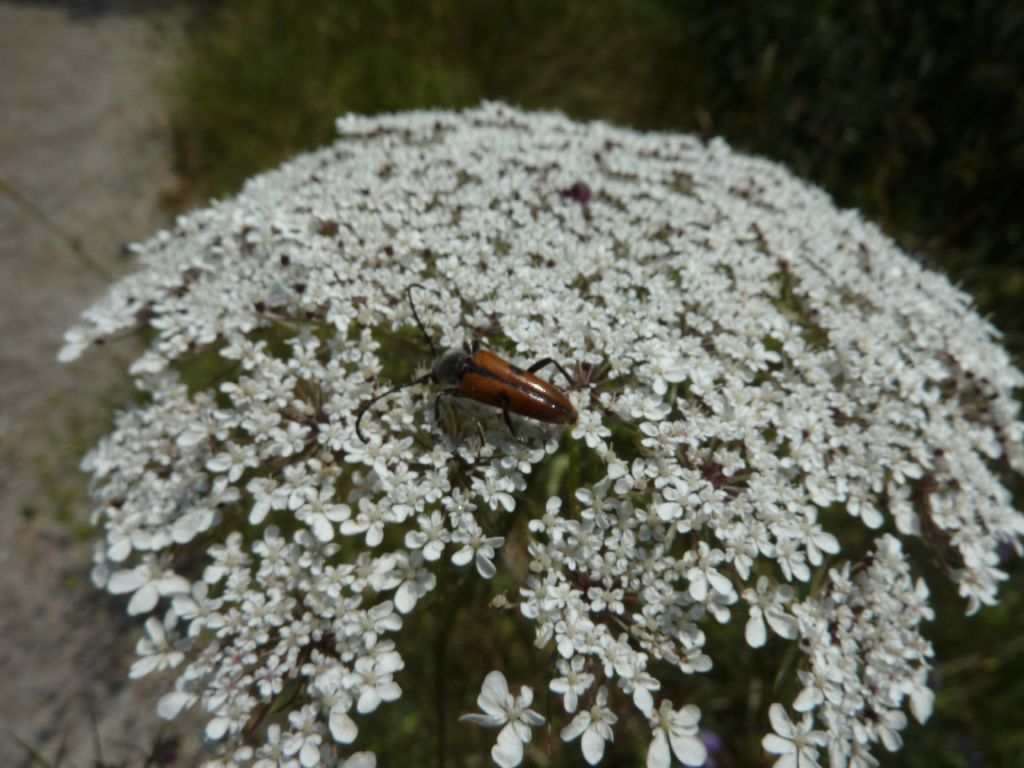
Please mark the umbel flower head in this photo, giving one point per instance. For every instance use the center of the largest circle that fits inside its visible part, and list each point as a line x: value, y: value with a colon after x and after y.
x: 773, y: 400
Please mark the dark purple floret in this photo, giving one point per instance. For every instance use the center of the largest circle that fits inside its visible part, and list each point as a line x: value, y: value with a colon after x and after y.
x: 580, y: 192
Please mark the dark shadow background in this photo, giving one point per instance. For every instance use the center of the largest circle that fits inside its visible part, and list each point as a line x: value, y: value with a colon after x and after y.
x: 912, y: 112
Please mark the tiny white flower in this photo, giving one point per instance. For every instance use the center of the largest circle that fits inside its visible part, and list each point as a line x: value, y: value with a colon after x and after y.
x: 675, y: 733
x: 795, y: 743
x: 431, y: 536
x: 767, y: 603
x: 373, y: 680
x: 315, y: 509
x: 510, y: 713
x: 416, y: 581
x: 573, y: 682
x: 149, y: 582
x: 305, y: 737
x: 595, y: 726
x: 591, y: 429
x: 476, y: 547
x: 271, y: 754
x: 156, y: 650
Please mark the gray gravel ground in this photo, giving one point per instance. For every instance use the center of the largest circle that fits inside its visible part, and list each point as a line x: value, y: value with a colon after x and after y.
x: 84, y: 149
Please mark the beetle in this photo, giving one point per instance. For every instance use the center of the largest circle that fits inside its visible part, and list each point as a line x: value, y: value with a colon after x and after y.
x: 479, y: 374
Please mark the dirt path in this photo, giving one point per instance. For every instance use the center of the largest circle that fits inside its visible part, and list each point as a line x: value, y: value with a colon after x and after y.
x: 84, y: 143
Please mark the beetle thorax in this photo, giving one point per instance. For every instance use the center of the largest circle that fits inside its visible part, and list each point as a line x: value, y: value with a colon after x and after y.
x: 449, y: 367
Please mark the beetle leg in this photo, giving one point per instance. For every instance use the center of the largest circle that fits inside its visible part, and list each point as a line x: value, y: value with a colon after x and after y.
x: 549, y: 361
x: 454, y: 392
x: 503, y: 402
x: 451, y: 392
x: 511, y: 428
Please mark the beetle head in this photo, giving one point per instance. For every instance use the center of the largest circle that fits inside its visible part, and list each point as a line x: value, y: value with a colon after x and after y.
x: 449, y: 367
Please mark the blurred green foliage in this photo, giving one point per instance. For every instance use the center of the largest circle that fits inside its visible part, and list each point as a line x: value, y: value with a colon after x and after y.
x: 912, y: 112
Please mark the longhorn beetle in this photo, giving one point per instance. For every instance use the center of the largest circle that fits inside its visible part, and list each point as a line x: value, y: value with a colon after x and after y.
x: 481, y: 375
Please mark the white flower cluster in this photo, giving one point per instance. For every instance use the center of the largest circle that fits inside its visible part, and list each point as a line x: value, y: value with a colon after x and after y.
x: 751, y: 368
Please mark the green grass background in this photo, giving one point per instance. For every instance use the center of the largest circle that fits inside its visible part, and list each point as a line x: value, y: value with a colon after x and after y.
x: 910, y: 111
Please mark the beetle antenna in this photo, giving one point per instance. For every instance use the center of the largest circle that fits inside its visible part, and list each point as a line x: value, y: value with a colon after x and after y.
x: 365, y: 407
x: 416, y: 317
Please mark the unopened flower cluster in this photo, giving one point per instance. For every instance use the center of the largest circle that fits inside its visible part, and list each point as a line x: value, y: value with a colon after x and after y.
x: 751, y: 366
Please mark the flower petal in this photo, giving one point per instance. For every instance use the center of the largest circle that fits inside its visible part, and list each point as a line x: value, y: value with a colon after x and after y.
x: 508, y: 752
x: 658, y: 755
